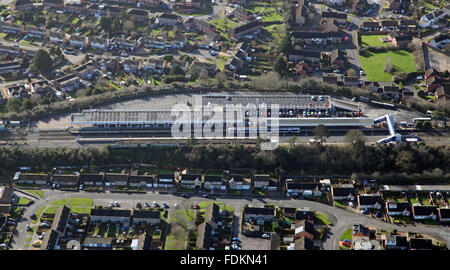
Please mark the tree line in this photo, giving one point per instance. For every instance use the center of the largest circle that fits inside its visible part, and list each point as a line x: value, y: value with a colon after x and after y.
x: 345, y: 159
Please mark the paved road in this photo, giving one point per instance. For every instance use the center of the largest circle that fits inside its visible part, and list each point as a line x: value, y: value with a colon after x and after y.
x: 343, y: 219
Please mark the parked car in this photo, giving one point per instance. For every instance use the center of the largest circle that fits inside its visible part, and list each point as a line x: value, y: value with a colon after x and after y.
x: 164, y: 204
x: 28, y: 228
x: 42, y: 236
x: 155, y: 204
x: 116, y: 204
x: 196, y: 206
x: 265, y: 235
x: 111, y: 204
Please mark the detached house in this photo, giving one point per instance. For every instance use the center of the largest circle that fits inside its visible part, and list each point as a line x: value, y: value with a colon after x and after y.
x: 421, y: 212
x: 67, y: 83
x: 65, y: 179
x: 370, y: 201
x: 396, y: 242
x: 168, y: 19
x: 306, y: 189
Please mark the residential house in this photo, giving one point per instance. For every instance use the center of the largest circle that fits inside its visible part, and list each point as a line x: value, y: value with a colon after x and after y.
x: 304, y: 188
x: 444, y: 214
x: 141, y: 181
x: 391, y: 91
x: 396, y: 242
x: 56, y: 37
x: 420, y: 244
x: 441, y: 41
x: 422, y: 212
x: 97, y: 243
x: 408, y: 25
x: 75, y: 7
x: 165, y: 181
x: 65, y: 179
x: 91, y: 179
x: 127, y: 44
x: 31, y: 178
x: 389, y: 25
x: 210, y: 67
x: 273, y: 185
x: 214, y: 183
x: 150, y: 217
x: 208, y: 228
x: 53, y: 4
x: 431, y: 18
x: 108, y: 64
x: 6, y: 195
x: 77, y: 41
x: 442, y: 94
x: 370, y: 26
x: 98, y: 43
x: 169, y: 19
x: 67, y: 83
x: 190, y: 181
x: 242, y: 14
x: 289, y: 211
x: 116, y: 180
x: 330, y: 79
x: 302, y: 55
x: 402, y: 41
x: 22, y: 5
x: 139, y: 15
x: 351, y: 81
x: 370, y: 201
x: 317, y: 37
x: 131, y: 66
x: 398, y: 208
x: 238, y: 182
x: 261, y: 181
x: 85, y: 71
x: 154, y: 65
x: 247, y: 29
x: 105, y: 215
x: 346, y: 193
x: 259, y: 214
x: 12, y: 28
x: 8, y: 67
x: 57, y: 230
x: 339, y: 17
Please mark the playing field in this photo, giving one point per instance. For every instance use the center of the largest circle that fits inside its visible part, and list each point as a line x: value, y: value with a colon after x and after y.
x: 373, y: 64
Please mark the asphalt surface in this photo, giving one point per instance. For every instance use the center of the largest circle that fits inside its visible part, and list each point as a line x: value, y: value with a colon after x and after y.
x: 342, y: 219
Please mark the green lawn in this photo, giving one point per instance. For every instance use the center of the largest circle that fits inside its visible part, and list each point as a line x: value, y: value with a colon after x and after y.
x: 373, y: 64
x: 339, y: 204
x: 348, y: 234
x: 223, y: 24
x: 372, y: 41
x: 38, y: 193
x: 23, y: 201
x: 322, y: 218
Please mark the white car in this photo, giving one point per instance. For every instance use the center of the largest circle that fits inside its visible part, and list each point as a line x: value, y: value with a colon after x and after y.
x: 155, y: 204
x: 111, y: 204
x: 361, y: 72
x: 265, y: 236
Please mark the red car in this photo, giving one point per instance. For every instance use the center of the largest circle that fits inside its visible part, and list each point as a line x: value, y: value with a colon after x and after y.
x: 346, y: 244
x: 196, y: 206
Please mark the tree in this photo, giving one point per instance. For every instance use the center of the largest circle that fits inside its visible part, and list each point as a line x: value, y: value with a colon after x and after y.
x: 286, y: 45
x: 221, y: 77
x: 280, y: 66
x: 354, y: 136
x: 388, y: 67
x: 106, y: 23
x: 321, y: 132
x: 176, y: 70
x: 27, y: 104
x: 351, y: 72
x: 42, y: 61
x: 292, y: 140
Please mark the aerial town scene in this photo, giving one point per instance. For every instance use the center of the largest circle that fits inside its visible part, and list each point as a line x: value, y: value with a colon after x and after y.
x: 224, y: 125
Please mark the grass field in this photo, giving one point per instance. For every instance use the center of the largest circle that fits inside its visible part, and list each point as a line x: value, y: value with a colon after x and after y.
x: 322, y: 218
x: 347, y: 235
x: 223, y: 24
x: 39, y: 193
x: 372, y: 41
x: 373, y: 64
x: 23, y: 201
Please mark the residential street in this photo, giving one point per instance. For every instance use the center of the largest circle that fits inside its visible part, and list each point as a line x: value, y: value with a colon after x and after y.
x: 344, y: 219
